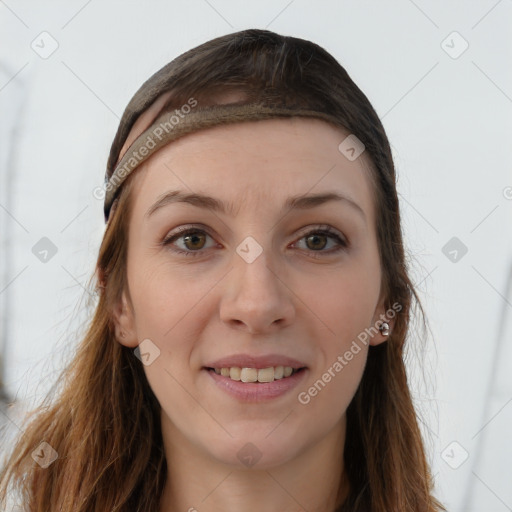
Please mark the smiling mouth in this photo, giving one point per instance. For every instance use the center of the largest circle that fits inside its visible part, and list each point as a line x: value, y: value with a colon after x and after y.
x: 261, y: 375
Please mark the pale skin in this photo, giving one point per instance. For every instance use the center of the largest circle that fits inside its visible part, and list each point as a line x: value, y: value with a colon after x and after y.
x: 199, y: 308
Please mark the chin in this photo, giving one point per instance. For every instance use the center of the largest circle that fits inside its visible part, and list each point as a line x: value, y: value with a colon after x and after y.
x: 252, y: 452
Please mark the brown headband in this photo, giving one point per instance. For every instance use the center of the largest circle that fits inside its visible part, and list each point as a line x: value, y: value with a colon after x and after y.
x: 172, y: 125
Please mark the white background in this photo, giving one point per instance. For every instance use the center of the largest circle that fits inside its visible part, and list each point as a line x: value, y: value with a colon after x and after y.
x: 449, y: 121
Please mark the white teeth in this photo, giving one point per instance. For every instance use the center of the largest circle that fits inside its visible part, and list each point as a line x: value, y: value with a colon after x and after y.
x: 266, y: 375
x: 255, y: 375
x: 249, y: 375
x: 234, y: 373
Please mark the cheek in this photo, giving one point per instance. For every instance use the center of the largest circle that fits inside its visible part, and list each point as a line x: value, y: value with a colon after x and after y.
x: 162, y: 295
x: 328, y: 393
x: 172, y: 309
x: 337, y: 382
x: 344, y: 300
x: 346, y: 304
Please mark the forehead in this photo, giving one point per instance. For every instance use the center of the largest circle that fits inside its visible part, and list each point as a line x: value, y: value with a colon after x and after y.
x: 252, y: 163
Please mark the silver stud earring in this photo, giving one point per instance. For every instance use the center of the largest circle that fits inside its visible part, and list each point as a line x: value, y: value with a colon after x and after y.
x: 384, y: 329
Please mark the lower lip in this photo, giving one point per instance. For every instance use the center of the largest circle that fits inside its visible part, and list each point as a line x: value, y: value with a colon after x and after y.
x: 257, y: 391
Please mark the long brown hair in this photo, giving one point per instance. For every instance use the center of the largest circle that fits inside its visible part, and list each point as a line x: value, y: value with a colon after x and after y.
x: 105, y: 422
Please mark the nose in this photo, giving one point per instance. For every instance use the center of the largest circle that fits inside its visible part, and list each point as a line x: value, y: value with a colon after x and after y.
x: 255, y: 297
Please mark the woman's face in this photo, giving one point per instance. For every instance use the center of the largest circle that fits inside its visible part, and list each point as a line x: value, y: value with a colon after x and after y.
x: 255, y: 284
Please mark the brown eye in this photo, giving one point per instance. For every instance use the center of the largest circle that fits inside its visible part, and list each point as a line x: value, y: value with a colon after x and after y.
x: 195, y: 240
x: 189, y: 242
x: 316, y: 241
x: 325, y: 238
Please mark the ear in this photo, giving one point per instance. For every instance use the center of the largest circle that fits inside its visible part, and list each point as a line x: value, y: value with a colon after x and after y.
x: 380, y: 316
x: 124, y: 320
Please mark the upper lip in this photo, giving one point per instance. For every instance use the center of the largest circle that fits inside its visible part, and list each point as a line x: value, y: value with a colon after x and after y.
x: 249, y: 361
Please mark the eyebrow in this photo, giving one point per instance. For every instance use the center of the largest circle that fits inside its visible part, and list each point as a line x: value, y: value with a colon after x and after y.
x: 300, y: 202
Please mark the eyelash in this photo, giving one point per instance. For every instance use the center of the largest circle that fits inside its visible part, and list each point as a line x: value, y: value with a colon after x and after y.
x: 322, y: 230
